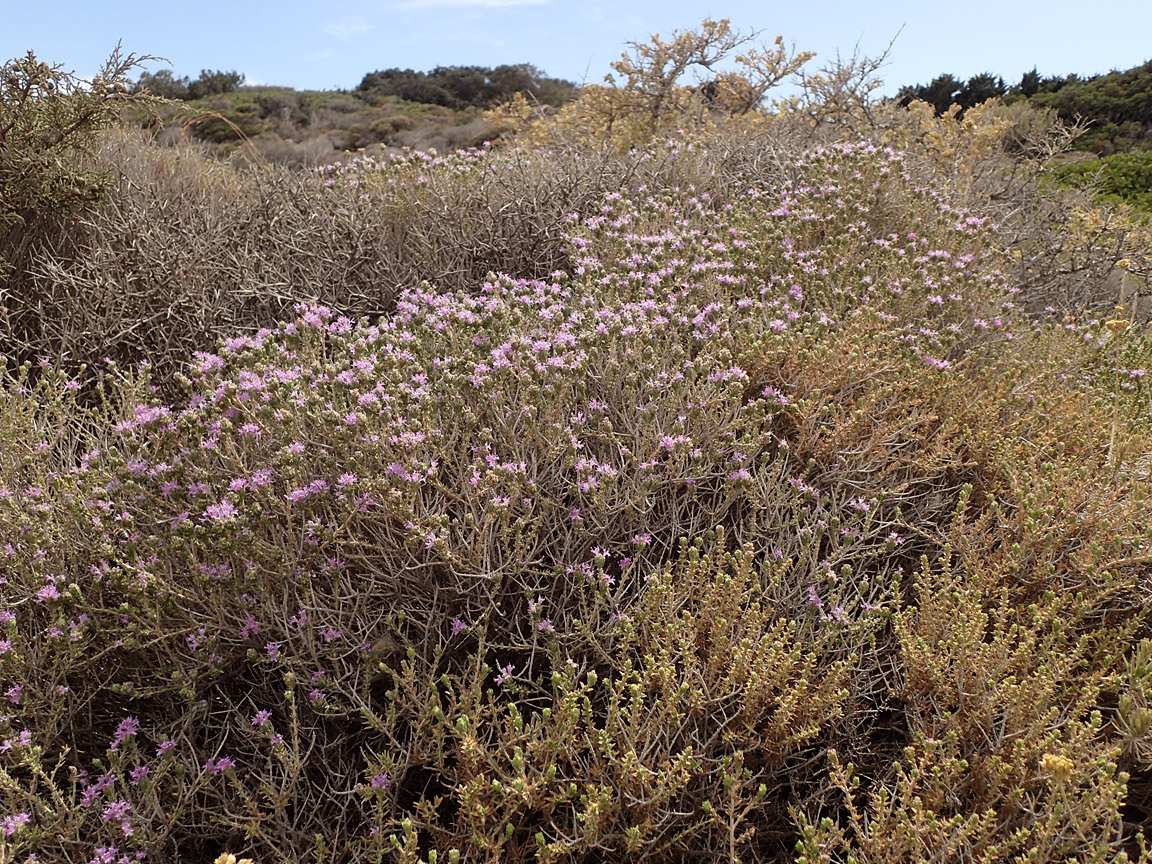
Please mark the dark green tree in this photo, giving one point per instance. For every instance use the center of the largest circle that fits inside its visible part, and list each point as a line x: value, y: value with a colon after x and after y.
x: 506, y: 81
x: 940, y: 94
x: 167, y: 86
x: 212, y: 82
x: 1056, y: 83
x: 981, y: 88
x: 1029, y: 83
x: 163, y: 84
x: 467, y: 86
x: 1116, y: 106
x: 406, y: 84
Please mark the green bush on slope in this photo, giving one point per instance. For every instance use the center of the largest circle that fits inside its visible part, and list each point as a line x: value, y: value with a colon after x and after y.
x: 1122, y: 178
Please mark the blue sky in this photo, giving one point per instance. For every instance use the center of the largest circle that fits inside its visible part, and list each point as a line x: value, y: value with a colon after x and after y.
x: 326, y: 46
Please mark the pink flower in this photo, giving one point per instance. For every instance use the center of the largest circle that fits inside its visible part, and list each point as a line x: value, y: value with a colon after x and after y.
x: 127, y: 728
x: 48, y: 592
x: 219, y: 766
x: 222, y: 512
x: 10, y: 824
x: 261, y: 477
x: 380, y: 781
x: 251, y: 628
x: 814, y: 599
x: 91, y: 793
x: 115, y: 810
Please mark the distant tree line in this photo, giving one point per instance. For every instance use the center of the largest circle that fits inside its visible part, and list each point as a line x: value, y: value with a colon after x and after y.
x: 210, y: 82
x: 1118, y: 104
x: 946, y: 90
x: 468, y: 86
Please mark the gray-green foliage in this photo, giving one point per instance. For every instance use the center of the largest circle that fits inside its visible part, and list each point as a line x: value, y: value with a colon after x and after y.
x: 49, y: 120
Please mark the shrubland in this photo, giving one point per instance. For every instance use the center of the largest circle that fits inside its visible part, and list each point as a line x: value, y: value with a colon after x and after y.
x: 309, y: 128
x: 769, y: 487
x: 390, y: 109
x: 1125, y: 178
x: 1117, y: 106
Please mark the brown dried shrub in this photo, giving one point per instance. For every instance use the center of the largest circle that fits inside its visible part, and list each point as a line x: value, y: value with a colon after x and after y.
x: 186, y: 249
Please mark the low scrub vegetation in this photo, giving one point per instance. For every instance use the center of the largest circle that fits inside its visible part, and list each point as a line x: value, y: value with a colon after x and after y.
x: 389, y: 110
x: 1116, y: 106
x: 1125, y: 178
x: 729, y: 485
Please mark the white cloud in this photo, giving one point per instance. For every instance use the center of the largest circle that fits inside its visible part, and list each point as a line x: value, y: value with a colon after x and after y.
x: 470, y: 4
x: 592, y: 14
x: 476, y: 37
x: 347, y: 29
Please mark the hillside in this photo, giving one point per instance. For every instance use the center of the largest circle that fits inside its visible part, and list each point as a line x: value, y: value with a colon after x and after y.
x: 390, y: 109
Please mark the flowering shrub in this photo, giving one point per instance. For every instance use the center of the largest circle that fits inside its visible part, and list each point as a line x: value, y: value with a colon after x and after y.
x: 763, y: 527
x: 352, y: 237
